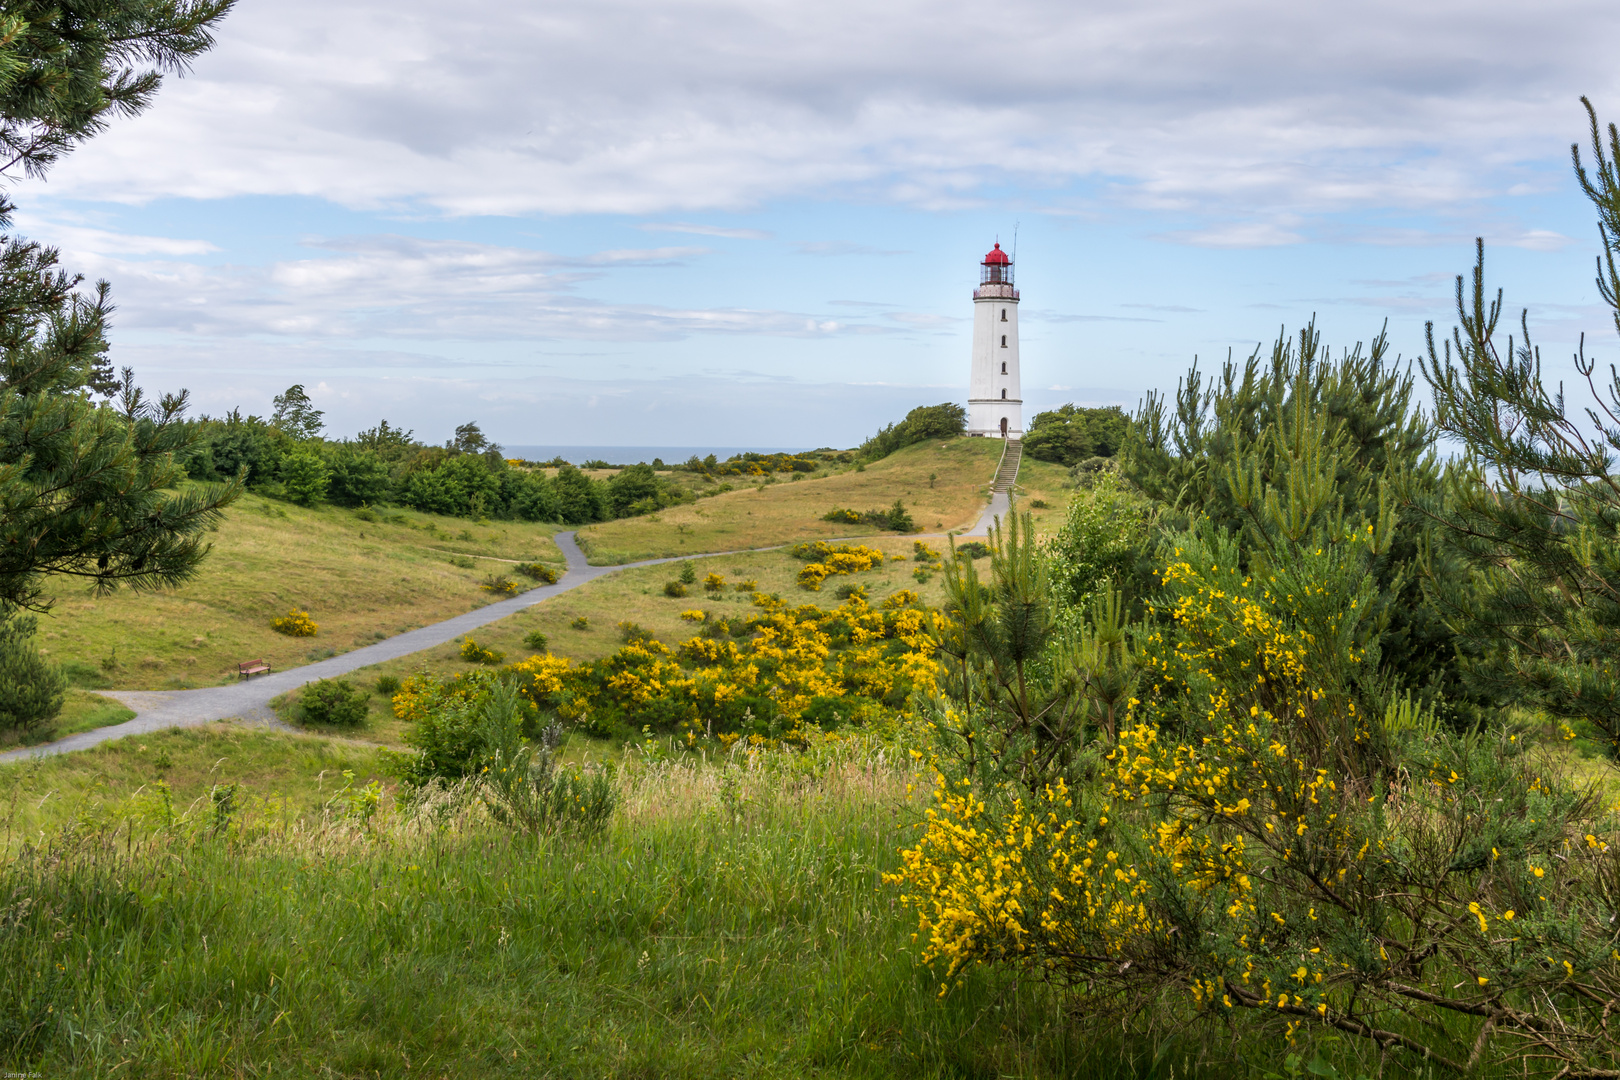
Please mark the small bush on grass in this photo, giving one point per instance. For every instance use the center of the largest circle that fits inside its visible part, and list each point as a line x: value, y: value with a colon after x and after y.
x: 474, y: 653
x: 923, y: 574
x: 523, y: 785
x: 332, y: 701
x: 500, y: 585
x: 840, y: 516
x: 32, y: 688
x: 674, y: 590
x: 688, y: 573
x: 295, y: 623
x: 924, y: 553
x: 971, y: 550
x: 714, y: 583
x: 634, y: 633
x: 540, y: 572
x: 749, y: 586
x: 850, y: 590
x: 895, y: 519
x: 388, y: 685
x: 462, y: 561
x: 1037, y: 504
x: 580, y: 623
x: 535, y: 640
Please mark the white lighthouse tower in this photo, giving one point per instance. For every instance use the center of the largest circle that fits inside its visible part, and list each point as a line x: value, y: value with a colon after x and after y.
x: 995, y: 401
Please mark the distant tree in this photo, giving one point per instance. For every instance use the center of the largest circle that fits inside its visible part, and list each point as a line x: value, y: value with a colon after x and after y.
x: 470, y: 440
x: 1070, y: 434
x: 388, y: 443
x: 358, y: 475
x: 296, y: 414
x: 941, y: 421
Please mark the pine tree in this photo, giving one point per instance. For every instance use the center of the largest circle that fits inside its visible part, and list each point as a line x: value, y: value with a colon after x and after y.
x: 1534, y: 507
x: 1227, y: 441
x: 86, y: 489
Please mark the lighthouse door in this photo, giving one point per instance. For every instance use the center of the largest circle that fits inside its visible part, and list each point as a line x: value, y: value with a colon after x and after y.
x: 1003, y: 427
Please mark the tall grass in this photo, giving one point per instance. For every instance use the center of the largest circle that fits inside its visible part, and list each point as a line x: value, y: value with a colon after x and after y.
x: 730, y: 922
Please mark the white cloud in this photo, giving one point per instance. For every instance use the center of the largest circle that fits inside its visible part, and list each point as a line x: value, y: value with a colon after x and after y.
x: 403, y: 288
x: 652, y: 106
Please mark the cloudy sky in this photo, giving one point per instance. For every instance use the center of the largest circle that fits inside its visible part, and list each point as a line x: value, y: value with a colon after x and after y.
x: 713, y: 222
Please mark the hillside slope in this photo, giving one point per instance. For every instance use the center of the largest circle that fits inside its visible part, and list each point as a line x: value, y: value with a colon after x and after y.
x: 789, y: 510
x: 360, y: 580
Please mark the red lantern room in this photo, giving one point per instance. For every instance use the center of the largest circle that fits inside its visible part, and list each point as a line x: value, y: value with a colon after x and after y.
x: 997, y: 268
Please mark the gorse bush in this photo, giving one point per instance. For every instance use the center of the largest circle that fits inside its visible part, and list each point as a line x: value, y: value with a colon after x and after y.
x: 540, y: 572
x: 830, y: 560
x: 296, y: 623
x: 760, y: 682
x: 474, y: 653
x: 333, y: 701
x: 535, y: 640
x: 500, y: 585
x: 1226, y: 441
x: 895, y: 519
x: 1219, y: 810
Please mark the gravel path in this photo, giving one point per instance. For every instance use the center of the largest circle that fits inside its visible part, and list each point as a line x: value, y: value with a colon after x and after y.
x: 250, y: 700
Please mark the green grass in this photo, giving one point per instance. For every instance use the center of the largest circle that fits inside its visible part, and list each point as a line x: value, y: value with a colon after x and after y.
x: 81, y: 711
x: 777, y: 513
x: 40, y: 796
x: 361, y: 581
x: 732, y: 922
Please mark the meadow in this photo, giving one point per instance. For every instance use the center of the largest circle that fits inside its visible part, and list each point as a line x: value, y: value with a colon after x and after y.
x: 944, y: 484
x: 363, y: 576
x: 732, y: 922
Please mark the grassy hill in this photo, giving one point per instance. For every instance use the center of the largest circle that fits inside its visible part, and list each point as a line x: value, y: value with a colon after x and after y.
x: 361, y: 580
x: 943, y: 483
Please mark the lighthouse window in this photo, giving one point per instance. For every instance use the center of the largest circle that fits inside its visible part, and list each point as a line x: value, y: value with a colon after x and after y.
x: 1003, y: 341
x: 1004, y: 393
x: 1004, y: 367
x: 1003, y: 314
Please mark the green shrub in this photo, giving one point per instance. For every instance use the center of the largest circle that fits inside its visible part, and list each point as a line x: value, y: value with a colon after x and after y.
x: 366, y: 514
x: 942, y: 421
x: 1070, y: 434
x: 388, y: 685
x: 524, y: 786
x: 332, y: 701
x: 580, y: 623
x: 973, y: 549
x: 688, y: 573
x: 304, y: 475
x: 841, y: 516
x: 674, y: 589
x: 850, y: 589
x: 32, y: 688
x: 535, y: 640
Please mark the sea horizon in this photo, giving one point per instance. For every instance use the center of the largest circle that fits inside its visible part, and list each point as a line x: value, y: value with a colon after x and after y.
x: 633, y: 455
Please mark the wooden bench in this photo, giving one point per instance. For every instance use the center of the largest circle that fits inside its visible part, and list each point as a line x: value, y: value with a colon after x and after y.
x: 252, y: 667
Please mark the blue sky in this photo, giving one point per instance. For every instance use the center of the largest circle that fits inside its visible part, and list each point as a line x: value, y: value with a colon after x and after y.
x: 708, y: 222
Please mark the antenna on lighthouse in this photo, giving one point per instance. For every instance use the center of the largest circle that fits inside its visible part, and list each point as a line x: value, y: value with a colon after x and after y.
x: 1014, y: 267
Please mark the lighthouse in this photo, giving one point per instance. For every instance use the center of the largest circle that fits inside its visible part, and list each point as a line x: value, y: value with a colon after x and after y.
x: 995, y: 401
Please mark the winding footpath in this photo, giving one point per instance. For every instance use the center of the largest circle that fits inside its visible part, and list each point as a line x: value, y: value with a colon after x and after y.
x: 249, y: 701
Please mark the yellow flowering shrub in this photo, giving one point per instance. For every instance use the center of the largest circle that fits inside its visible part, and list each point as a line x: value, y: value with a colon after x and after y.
x: 825, y: 560
x: 295, y: 623
x: 1257, y: 837
x: 799, y: 667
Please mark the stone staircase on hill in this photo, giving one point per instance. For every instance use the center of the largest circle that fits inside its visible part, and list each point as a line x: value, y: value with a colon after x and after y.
x: 1008, y: 472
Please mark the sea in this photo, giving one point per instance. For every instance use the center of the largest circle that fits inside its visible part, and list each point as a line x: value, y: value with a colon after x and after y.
x: 632, y: 455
